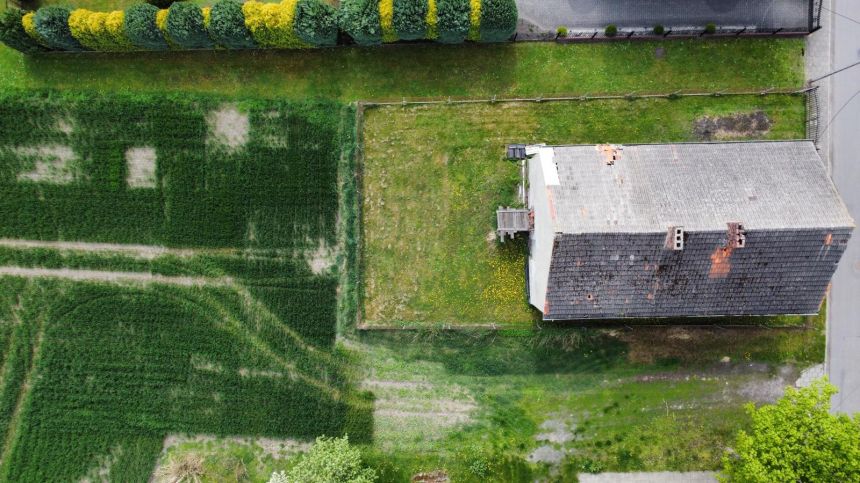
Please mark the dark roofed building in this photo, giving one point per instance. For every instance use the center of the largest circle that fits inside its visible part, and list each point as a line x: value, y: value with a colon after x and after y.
x: 666, y: 230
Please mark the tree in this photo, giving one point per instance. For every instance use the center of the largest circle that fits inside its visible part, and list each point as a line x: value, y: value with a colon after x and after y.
x: 330, y: 460
x: 798, y: 440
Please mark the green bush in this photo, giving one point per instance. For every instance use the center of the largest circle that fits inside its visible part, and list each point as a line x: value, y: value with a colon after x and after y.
x: 611, y: 30
x: 410, y: 19
x: 797, y: 439
x: 227, y: 26
x: 498, y: 20
x: 710, y: 28
x: 141, y: 29
x: 185, y: 26
x: 360, y: 19
x: 332, y: 460
x: 52, y: 24
x: 561, y: 32
x: 316, y: 22
x: 161, y: 3
x: 659, y: 30
x: 454, y: 22
x: 12, y: 32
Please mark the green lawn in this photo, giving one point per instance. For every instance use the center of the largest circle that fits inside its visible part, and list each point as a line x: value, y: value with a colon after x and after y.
x: 434, y: 176
x: 392, y: 72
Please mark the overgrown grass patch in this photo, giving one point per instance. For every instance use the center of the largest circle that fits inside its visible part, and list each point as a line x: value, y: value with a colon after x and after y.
x: 433, y: 177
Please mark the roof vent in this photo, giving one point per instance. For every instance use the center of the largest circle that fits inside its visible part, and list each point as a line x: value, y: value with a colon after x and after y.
x: 675, y: 238
x: 737, y: 235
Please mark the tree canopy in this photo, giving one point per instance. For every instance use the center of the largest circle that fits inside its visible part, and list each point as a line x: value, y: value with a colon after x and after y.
x: 797, y: 439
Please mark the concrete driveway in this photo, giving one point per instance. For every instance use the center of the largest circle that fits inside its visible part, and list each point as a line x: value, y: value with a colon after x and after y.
x: 597, y: 14
x: 843, y: 354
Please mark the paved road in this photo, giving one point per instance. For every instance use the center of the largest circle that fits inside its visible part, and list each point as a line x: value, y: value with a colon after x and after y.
x: 844, y: 314
x: 661, y: 477
x: 597, y: 14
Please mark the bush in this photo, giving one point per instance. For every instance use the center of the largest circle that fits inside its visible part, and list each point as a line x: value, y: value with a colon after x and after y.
x: 611, y: 30
x: 410, y: 19
x: 13, y: 34
x: 797, y: 439
x: 453, y: 22
x: 185, y: 26
x: 316, y: 23
x: 710, y: 28
x: 141, y: 29
x: 386, y: 20
x: 561, y: 32
x: 432, y: 20
x: 227, y: 26
x: 52, y: 25
x: 475, y: 20
x: 331, y: 460
x: 659, y: 30
x: 271, y: 24
x: 498, y: 20
x: 161, y: 4
x: 360, y: 19
x: 99, y: 30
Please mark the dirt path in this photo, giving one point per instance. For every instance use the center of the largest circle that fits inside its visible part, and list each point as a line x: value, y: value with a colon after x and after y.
x: 142, y: 251
x: 117, y: 277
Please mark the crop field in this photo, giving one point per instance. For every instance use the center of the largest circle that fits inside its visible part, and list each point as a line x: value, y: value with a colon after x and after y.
x: 168, y: 266
x: 447, y: 267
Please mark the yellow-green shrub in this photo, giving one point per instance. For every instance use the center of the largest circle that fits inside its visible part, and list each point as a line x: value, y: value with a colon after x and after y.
x: 475, y: 19
x: 271, y: 24
x: 432, y: 20
x: 386, y: 20
x: 30, y: 27
x: 207, y: 15
x: 99, y: 30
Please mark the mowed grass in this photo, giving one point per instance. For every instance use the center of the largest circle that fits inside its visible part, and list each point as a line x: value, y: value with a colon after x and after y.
x: 393, y: 72
x: 434, y: 176
x: 97, y: 373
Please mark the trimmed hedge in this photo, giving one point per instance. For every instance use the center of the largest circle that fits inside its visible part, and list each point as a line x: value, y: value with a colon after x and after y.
x: 227, y: 26
x: 142, y: 29
x: 289, y: 24
x: 52, y: 25
x: 410, y: 19
x: 186, y: 27
x: 498, y: 20
x: 271, y: 24
x: 13, y: 34
x: 316, y: 23
x: 453, y: 20
x: 360, y: 19
x: 99, y: 30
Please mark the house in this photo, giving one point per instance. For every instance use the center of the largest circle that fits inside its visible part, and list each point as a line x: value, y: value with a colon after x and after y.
x: 690, y: 229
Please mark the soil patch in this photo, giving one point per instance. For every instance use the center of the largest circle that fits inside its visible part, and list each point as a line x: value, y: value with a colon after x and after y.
x: 228, y: 127
x: 52, y: 164
x: 438, y: 476
x: 140, y: 167
x: 736, y: 126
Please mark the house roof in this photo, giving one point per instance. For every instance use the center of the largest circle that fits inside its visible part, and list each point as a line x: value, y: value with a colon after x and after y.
x: 697, y: 186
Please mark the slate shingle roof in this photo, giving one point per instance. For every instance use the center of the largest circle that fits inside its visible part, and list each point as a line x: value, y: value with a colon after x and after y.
x: 609, y: 258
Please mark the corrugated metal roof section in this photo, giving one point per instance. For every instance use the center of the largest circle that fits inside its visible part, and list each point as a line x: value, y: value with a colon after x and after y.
x: 647, y: 188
